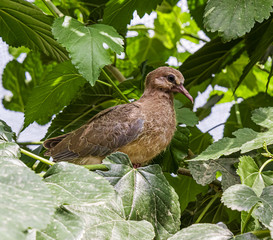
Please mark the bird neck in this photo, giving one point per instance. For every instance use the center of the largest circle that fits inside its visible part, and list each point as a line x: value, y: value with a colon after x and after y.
x: 157, y: 94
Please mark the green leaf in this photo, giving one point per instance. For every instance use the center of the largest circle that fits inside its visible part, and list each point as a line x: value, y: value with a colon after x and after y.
x: 85, y: 45
x: 197, y: 9
x: 261, y: 47
x: 119, y: 13
x: 263, y: 117
x: 64, y: 225
x: 146, y: 194
x: 205, y: 110
x: 203, y: 231
x: 199, y: 141
x: 210, y: 59
x: 184, y: 115
x: 8, y: 149
x: 186, y: 189
x: 102, y: 222
x: 240, y: 197
x: 21, y: 23
x: 6, y: 133
x: 250, y: 175
x: 59, y: 86
x: 234, y: 18
x: 25, y: 200
x: 204, y: 172
x: 246, y: 236
x: 264, y: 211
x: 66, y: 180
x: 141, y: 49
x: 14, y: 81
x: 246, y: 110
x: 245, y: 139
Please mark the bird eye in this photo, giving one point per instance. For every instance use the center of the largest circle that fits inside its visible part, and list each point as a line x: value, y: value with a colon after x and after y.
x: 171, y: 78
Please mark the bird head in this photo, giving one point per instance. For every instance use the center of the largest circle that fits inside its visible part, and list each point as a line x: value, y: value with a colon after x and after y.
x: 167, y: 79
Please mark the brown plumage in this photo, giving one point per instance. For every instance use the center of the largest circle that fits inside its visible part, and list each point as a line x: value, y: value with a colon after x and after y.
x: 141, y: 129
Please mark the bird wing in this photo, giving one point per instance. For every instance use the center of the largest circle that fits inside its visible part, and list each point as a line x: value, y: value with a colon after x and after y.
x: 102, y: 135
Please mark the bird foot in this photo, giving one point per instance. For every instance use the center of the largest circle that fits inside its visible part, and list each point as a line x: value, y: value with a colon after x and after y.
x: 136, y: 165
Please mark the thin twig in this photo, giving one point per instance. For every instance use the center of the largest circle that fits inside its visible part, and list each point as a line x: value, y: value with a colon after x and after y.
x: 247, y: 219
x: 32, y: 155
x: 115, y: 86
x: 30, y: 143
x: 218, y: 194
x: 53, y: 9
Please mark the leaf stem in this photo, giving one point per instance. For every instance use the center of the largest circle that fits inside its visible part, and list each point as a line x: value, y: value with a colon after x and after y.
x: 208, y: 206
x: 247, y: 219
x: 104, y: 83
x: 261, y: 233
x: 30, y: 143
x: 32, y: 155
x: 265, y: 163
x: 53, y: 9
x: 95, y: 167
x: 115, y: 86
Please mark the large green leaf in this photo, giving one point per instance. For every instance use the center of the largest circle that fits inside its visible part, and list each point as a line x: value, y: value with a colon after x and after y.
x: 234, y: 18
x: 119, y: 13
x: 252, y: 177
x: 146, y: 194
x: 240, y: 197
x: 203, y: 231
x: 102, y: 222
x: 204, y: 172
x: 186, y: 188
x: 245, y: 139
x: 64, y: 225
x: 59, y: 86
x: 264, y: 211
x: 25, y: 201
x: 21, y: 23
x: 85, y: 45
x: 66, y: 180
x: 210, y: 59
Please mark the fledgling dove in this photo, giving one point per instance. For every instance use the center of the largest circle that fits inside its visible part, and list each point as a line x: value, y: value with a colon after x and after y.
x: 141, y: 129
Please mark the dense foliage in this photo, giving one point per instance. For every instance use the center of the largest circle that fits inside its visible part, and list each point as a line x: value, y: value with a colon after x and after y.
x: 83, y: 57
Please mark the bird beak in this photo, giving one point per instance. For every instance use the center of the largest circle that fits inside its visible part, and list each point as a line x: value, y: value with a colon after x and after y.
x: 181, y: 89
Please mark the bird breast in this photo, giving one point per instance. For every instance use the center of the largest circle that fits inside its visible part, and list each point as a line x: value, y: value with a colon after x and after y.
x: 159, y: 128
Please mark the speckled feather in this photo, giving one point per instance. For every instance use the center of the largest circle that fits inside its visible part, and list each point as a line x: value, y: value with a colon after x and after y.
x: 141, y: 129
